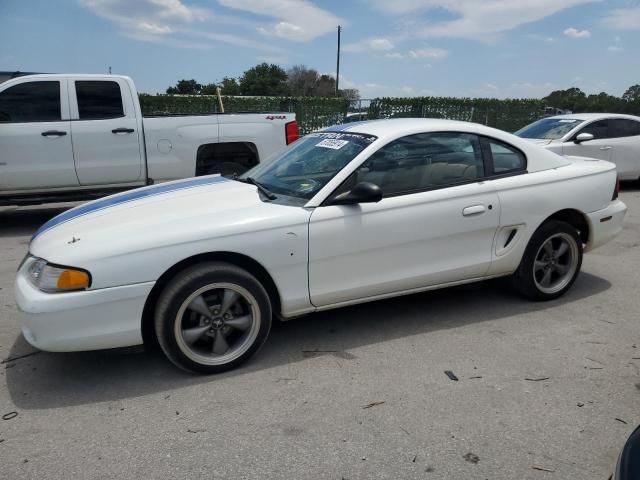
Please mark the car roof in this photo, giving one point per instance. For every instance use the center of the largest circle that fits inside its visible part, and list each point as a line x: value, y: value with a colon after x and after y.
x: 592, y: 116
x: 389, y: 127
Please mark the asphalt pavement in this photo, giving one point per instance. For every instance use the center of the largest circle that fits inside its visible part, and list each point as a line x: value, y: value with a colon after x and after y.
x: 543, y: 390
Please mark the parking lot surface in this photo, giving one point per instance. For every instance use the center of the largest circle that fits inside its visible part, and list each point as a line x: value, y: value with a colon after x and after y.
x: 544, y: 390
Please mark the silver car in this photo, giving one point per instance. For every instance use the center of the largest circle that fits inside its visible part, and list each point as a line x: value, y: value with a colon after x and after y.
x: 606, y: 136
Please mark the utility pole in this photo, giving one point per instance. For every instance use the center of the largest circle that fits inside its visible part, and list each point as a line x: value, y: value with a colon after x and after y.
x: 338, y: 62
x: 109, y: 69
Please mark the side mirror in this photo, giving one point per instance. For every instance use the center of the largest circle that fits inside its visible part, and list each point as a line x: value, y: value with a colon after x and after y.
x: 363, y: 192
x: 583, y: 137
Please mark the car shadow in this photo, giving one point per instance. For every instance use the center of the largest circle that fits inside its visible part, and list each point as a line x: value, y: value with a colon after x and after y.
x: 51, y: 380
x: 24, y: 221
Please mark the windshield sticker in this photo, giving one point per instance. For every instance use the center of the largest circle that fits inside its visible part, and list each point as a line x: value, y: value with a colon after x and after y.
x: 332, y: 143
x: 567, y: 121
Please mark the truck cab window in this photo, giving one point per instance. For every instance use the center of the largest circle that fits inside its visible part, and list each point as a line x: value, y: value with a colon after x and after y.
x: 31, y: 102
x: 99, y: 100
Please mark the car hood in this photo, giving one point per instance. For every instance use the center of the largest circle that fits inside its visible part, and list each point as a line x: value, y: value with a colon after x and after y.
x: 539, y: 141
x: 170, y: 213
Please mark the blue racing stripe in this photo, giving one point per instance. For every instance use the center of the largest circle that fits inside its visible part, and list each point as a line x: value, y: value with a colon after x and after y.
x: 127, y: 197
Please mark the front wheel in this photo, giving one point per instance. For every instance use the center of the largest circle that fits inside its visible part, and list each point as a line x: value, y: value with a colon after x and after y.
x: 551, y: 262
x: 212, y: 317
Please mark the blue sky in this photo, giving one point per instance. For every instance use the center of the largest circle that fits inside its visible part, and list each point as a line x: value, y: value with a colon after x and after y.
x: 493, y: 48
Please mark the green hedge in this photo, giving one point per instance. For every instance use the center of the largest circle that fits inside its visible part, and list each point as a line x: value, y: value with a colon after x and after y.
x: 312, y: 113
x: 509, y: 115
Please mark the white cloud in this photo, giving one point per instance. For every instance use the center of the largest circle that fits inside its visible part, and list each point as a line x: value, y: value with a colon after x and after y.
x: 141, y: 15
x: 173, y: 23
x: 420, y: 53
x: 375, y: 44
x: 615, y: 48
x: 373, y: 90
x: 549, y: 40
x: 153, y: 28
x: 298, y: 20
x: 623, y: 19
x: 428, y: 53
x: 475, y: 19
x: 575, y: 33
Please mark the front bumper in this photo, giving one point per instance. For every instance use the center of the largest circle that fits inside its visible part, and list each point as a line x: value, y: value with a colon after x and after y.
x: 84, y: 320
x: 605, y: 224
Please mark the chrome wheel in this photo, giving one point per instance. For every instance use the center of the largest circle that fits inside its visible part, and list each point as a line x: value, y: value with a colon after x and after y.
x: 555, y: 263
x: 217, y: 323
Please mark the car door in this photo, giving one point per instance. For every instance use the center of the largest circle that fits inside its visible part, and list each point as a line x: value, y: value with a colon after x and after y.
x: 600, y: 147
x: 35, y: 139
x: 106, y: 140
x: 434, y: 225
x: 625, y: 140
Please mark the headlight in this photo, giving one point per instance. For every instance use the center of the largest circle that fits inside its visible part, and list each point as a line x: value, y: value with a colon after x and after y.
x: 55, y: 278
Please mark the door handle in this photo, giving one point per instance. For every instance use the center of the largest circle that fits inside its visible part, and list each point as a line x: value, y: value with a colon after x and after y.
x: 606, y: 148
x: 473, y: 210
x: 53, y: 133
x: 122, y: 130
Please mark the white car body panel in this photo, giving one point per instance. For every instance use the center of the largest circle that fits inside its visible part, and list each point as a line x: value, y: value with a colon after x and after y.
x: 90, y: 155
x: 100, y: 156
x: 318, y: 257
x: 401, y: 243
x: 38, y: 153
x: 624, y: 152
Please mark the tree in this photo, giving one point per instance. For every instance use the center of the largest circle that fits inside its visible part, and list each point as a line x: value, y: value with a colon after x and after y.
x: 632, y: 94
x: 302, y: 81
x: 326, y: 86
x: 264, y: 80
x: 570, y: 99
x: 209, y: 89
x: 185, y: 87
x: 351, y: 94
x: 230, y: 86
x: 603, y: 102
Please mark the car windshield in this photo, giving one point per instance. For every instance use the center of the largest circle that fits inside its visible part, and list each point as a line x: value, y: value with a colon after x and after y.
x: 306, y: 166
x: 549, y: 128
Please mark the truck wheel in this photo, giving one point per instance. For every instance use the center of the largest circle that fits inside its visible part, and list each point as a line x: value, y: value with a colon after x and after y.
x: 227, y: 169
x: 551, y: 262
x: 212, y: 317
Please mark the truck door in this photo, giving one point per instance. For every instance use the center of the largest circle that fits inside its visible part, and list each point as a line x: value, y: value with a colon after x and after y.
x: 106, y: 140
x: 35, y: 136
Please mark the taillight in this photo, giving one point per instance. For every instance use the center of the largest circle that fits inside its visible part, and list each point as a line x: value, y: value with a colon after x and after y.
x: 291, y: 132
x: 616, y: 190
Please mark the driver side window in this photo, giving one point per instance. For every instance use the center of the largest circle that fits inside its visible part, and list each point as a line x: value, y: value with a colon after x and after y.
x: 422, y: 162
x: 599, y: 129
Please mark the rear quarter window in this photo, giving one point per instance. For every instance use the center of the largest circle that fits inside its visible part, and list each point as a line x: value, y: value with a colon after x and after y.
x: 505, y: 158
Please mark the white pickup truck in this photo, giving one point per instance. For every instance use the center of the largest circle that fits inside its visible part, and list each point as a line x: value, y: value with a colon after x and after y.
x: 76, y: 137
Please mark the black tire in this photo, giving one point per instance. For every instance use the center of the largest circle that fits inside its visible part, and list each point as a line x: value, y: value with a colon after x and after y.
x: 173, y: 314
x: 526, y: 279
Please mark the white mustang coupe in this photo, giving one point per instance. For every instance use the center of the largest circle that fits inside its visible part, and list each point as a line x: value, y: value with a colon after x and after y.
x: 356, y: 213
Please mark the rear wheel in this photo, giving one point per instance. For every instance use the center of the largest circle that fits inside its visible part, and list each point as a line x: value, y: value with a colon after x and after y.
x: 551, y: 262
x: 212, y: 317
